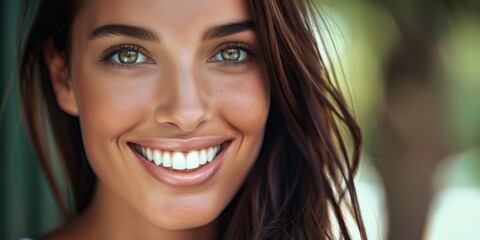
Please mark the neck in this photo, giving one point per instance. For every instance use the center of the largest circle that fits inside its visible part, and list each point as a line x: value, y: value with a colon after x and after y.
x: 109, y: 217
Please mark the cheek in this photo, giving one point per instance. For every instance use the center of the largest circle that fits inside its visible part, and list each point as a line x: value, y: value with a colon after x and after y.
x: 110, y: 105
x: 246, y: 104
x: 246, y: 108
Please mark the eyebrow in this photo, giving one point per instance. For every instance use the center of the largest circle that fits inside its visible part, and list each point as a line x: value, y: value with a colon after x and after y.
x: 145, y: 34
x: 227, y: 29
x: 123, y: 30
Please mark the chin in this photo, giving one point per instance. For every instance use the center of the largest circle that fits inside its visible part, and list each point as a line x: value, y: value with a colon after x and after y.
x: 183, y: 219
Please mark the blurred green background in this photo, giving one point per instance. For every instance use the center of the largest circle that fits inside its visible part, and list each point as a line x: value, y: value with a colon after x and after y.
x: 412, y: 68
x: 26, y: 204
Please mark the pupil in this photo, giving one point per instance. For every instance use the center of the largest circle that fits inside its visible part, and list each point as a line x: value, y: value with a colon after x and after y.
x: 128, y: 57
x: 231, y: 54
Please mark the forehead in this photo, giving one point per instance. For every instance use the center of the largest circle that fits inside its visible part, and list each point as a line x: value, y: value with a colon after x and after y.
x: 162, y: 16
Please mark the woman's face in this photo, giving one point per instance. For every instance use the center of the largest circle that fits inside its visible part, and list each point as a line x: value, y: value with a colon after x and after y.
x: 172, y: 98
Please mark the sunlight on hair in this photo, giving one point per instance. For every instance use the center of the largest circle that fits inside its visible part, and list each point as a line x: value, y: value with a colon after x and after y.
x: 371, y: 197
x: 332, y: 46
x: 361, y: 48
x: 332, y: 36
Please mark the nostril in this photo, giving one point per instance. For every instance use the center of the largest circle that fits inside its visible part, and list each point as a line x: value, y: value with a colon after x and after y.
x: 186, y: 124
x: 186, y: 109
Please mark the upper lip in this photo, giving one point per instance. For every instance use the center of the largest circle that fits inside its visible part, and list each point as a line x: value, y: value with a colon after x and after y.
x: 182, y: 145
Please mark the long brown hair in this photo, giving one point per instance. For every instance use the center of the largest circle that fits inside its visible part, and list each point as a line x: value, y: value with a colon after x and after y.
x: 301, y: 186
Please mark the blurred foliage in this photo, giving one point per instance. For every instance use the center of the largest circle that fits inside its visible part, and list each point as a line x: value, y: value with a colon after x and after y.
x: 368, y: 34
x: 461, y: 55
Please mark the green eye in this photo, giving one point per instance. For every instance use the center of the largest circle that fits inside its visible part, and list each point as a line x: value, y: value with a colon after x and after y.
x: 231, y: 54
x: 128, y: 57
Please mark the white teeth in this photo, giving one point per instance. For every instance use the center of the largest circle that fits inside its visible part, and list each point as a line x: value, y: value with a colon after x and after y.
x: 157, y: 157
x: 149, y: 154
x: 178, y: 161
x: 167, y: 160
x: 203, y: 157
x: 192, y: 160
x: 210, y: 154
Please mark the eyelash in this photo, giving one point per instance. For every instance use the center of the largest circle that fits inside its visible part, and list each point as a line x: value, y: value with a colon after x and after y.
x: 110, y: 52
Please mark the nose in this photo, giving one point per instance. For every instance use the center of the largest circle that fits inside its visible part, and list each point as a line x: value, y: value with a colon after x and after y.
x: 185, y: 106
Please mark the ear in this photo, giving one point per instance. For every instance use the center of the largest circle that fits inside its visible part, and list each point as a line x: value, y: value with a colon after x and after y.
x: 59, y: 75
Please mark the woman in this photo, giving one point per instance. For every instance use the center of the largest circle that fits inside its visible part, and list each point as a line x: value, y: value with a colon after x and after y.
x: 199, y: 119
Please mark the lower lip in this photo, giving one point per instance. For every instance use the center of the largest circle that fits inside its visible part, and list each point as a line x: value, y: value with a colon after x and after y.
x: 184, y: 178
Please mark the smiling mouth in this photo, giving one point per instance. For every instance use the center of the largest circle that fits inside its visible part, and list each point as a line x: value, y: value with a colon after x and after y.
x: 179, y: 161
